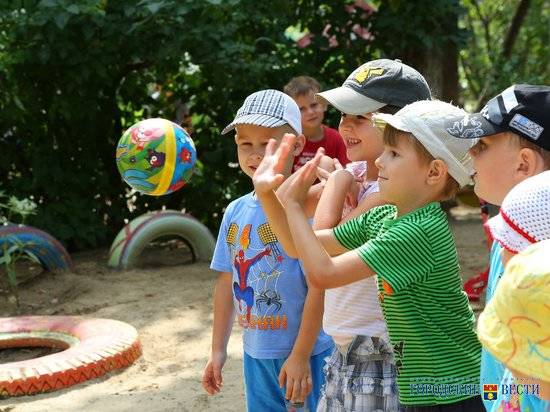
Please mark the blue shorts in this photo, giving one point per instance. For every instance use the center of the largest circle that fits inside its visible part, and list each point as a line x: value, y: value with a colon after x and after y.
x: 261, y: 382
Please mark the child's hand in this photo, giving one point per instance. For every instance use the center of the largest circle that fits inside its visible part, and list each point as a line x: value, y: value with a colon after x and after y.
x: 296, y: 373
x: 212, y: 381
x: 269, y: 174
x: 305, y: 176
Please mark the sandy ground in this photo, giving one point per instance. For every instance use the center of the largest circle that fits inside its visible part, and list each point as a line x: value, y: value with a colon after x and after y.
x: 171, y: 308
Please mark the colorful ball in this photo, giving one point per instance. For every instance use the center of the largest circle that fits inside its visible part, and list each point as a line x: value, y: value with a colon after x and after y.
x: 156, y: 157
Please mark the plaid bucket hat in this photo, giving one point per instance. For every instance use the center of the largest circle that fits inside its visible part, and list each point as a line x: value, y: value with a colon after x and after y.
x: 268, y: 108
x: 515, y: 325
x: 524, y: 217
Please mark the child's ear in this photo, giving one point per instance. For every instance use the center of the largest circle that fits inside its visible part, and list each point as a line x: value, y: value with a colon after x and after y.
x: 299, y: 144
x: 437, y: 172
x: 530, y: 163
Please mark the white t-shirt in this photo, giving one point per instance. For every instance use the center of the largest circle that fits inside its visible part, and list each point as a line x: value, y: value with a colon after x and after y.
x: 354, y: 309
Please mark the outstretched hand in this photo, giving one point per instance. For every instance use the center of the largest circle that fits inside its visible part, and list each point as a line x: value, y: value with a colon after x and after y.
x: 269, y: 174
x: 304, y: 178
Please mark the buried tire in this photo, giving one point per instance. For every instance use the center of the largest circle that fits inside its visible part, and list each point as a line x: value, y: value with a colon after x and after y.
x: 47, y: 249
x: 92, y: 348
x: 137, y: 234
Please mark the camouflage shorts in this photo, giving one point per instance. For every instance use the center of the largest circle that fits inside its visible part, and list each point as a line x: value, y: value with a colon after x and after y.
x: 362, y: 379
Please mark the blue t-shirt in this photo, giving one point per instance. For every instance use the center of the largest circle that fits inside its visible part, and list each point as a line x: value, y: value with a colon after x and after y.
x: 492, y: 370
x: 269, y: 288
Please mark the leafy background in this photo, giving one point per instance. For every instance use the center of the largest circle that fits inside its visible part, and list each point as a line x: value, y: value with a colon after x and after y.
x: 74, y: 75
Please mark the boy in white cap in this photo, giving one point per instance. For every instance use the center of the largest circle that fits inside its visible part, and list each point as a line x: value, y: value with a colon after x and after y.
x: 515, y: 328
x: 514, y: 144
x: 283, y: 349
x: 523, y: 220
x: 407, y: 244
x: 352, y: 315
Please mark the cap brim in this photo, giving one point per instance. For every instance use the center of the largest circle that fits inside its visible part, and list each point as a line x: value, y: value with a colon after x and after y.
x: 349, y: 101
x: 255, y: 119
x: 393, y: 121
x: 498, y: 228
x: 472, y: 126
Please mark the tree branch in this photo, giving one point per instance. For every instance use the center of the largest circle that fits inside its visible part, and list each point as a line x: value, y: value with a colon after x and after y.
x: 515, y: 26
x: 513, y: 31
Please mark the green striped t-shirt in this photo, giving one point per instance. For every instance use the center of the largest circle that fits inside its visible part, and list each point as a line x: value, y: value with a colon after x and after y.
x: 430, y: 322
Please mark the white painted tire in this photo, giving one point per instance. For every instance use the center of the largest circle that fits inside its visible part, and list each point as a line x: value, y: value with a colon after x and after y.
x: 136, y: 235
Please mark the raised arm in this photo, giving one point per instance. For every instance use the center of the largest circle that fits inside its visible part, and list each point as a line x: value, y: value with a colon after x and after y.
x: 364, y: 206
x: 329, y: 209
x: 315, y: 191
x: 322, y: 270
x: 268, y: 177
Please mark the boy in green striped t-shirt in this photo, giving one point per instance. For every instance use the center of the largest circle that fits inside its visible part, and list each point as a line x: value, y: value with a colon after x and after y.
x: 407, y: 244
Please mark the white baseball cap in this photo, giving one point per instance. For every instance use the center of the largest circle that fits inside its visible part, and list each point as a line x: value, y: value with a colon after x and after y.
x: 426, y: 120
x: 268, y: 108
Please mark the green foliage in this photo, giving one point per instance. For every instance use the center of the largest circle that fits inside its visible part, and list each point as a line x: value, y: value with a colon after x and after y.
x: 13, y: 249
x: 74, y: 75
x: 485, y: 71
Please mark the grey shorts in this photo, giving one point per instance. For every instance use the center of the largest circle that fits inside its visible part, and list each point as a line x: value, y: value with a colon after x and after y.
x: 361, y: 379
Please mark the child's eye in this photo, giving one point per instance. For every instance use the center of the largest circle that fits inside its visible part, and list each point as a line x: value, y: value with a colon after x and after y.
x: 393, y: 153
x: 360, y: 117
x: 343, y: 115
x: 245, y: 144
x: 478, y: 148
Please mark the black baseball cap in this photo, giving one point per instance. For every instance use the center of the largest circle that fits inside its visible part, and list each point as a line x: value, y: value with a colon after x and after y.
x: 523, y: 109
x: 376, y: 84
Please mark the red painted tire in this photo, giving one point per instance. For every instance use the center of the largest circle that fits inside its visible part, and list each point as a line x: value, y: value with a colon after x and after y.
x: 93, y: 347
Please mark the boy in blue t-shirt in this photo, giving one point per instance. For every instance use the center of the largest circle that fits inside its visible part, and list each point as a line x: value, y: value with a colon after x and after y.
x: 284, y: 349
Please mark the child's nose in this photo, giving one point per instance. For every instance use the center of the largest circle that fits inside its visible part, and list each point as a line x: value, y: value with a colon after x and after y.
x: 258, y: 152
x: 378, y: 162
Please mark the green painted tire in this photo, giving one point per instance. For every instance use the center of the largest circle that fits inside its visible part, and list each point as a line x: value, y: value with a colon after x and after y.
x: 136, y: 235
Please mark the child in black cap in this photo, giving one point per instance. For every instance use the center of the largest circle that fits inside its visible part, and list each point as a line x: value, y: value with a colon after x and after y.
x: 514, y: 132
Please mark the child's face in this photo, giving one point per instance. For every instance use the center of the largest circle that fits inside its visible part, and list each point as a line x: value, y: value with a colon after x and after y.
x: 311, y: 110
x: 251, y: 143
x: 363, y: 140
x: 401, y: 173
x: 495, y: 162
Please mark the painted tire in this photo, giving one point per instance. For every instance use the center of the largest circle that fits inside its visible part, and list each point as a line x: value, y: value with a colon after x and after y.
x: 47, y: 249
x: 137, y: 234
x: 93, y: 347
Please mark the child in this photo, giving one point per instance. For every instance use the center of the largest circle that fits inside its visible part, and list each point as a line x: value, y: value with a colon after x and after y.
x: 352, y: 314
x: 408, y: 245
x: 514, y: 132
x: 280, y: 317
x: 302, y: 89
x: 524, y: 219
x: 515, y: 328
x: 378, y: 86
